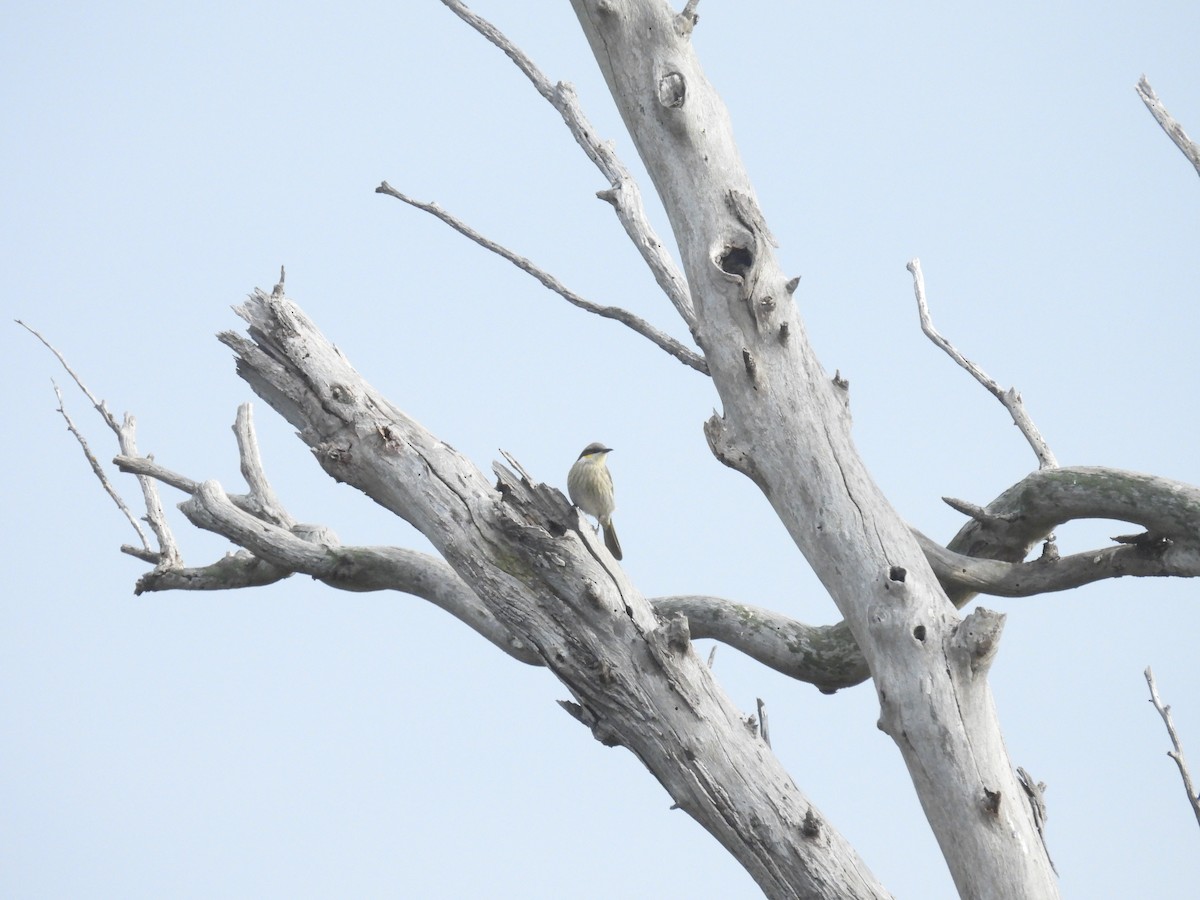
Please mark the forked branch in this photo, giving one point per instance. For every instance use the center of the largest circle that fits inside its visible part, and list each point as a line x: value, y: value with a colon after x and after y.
x: 168, y: 551
x: 641, y: 326
x: 623, y: 192
x: 274, y: 547
x: 1052, y: 573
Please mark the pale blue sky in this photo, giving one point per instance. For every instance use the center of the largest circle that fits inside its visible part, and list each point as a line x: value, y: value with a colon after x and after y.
x: 157, y: 164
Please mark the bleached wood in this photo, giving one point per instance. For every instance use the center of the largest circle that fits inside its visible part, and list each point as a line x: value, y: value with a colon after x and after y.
x: 656, y: 336
x: 623, y: 193
x: 167, y: 554
x: 1176, y: 751
x: 1168, y: 123
x: 784, y: 425
x: 1010, y: 399
x: 266, y: 504
x: 535, y: 565
x: 584, y: 624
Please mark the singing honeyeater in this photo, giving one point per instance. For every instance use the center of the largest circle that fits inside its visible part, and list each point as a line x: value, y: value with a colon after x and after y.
x: 590, y: 485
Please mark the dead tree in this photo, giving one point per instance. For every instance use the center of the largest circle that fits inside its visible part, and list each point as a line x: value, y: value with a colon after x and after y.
x: 521, y: 566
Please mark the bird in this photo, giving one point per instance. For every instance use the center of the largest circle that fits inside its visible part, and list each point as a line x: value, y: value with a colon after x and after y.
x: 591, y: 488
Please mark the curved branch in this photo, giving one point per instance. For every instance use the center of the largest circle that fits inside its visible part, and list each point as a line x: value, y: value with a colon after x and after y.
x: 986, y: 557
x: 1159, y: 558
x: 623, y: 193
x: 271, y: 553
x: 827, y: 657
x: 1010, y: 398
x: 625, y: 317
x: 1032, y: 508
x: 822, y: 655
x: 351, y: 568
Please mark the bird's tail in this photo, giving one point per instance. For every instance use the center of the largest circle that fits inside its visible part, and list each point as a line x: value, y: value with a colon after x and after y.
x: 610, y: 539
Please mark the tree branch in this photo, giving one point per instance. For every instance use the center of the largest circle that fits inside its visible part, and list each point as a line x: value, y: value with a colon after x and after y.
x: 825, y: 656
x: 1010, y: 398
x: 262, y: 495
x: 986, y: 557
x: 822, y: 655
x: 1167, y: 122
x: 623, y: 192
x: 275, y: 546
x: 1031, y: 509
x: 530, y: 559
x: 168, y: 551
x: 1053, y: 573
x: 1176, y: 753
x: 663, y: 340
x: 783, y: 423
x: 145, y: 550
x: 351, y: 568
x: 688, y: 17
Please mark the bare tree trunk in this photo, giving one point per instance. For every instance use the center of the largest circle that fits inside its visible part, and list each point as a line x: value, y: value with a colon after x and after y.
x: 521, y: 567
x: 785, y: 425
x: 544, y: 575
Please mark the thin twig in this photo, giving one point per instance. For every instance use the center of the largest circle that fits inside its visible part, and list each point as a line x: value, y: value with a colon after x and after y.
x: 1177, y: 753
x: 1174, y: 130
x: 108, y: 417
x: 623, y: 193
x: 99, y: 473
x: 168, y: 554
x: 1010, y: 398
x: 641, y: 326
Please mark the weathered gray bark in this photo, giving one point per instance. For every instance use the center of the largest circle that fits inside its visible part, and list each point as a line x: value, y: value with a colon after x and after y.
x: 784, y: 425
x: 523, y: 570
x: 539, y: 569
x: 826, y: 656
